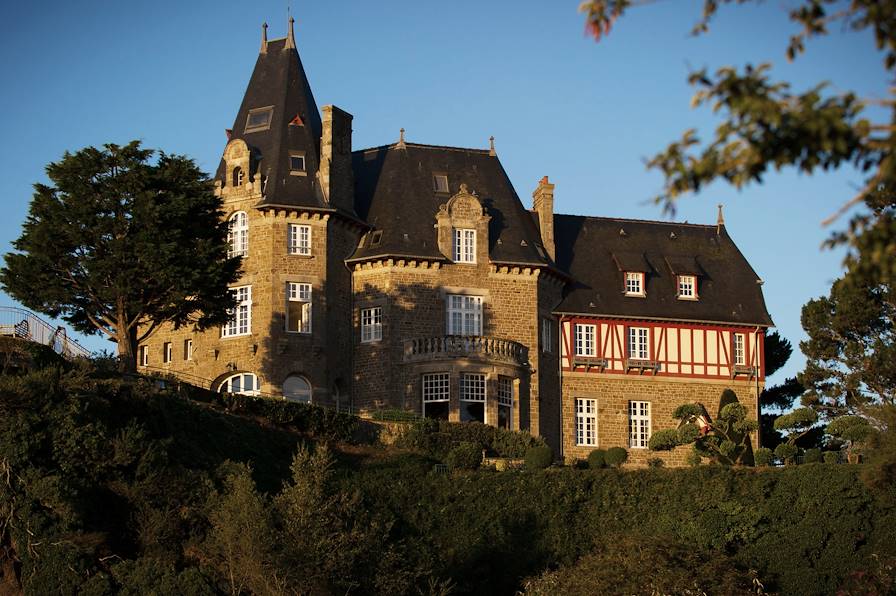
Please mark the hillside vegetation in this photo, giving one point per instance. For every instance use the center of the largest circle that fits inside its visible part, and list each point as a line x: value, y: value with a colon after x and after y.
x: 127, y: 486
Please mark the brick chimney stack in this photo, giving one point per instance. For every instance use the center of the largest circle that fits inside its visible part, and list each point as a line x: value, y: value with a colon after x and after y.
x: 336, y: 158
x: 543, y: 205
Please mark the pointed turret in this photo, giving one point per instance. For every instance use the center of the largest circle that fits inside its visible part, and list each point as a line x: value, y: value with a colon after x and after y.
x: 280, y: 123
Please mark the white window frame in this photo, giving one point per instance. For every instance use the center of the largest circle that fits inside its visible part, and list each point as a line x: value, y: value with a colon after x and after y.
x: 464, y: 245
x: 473, y: 389
x: 547, y: 335
x: 687, y: 287
x: 226, y: 386
x: 585, y: 340
x: 586, y: 422
x: 739, y: 348
x: 639, y: 343
x: 634, y: 283
x: 463, y: 314
x: 437, y: 179
x: 167, y: 352
x: 505, y: 398
x: 371, y: 324
x: 298, y: 239
x: 638, y: 424
x: 302, y: 293
x: 435, y: 388
x: 240, y: 322
x: 188, y: 349
x: 303, y: 171
x: 144, y: 355
x: 238, y: 235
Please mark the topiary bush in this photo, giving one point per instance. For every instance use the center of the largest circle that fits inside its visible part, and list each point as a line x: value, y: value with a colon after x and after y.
x: 831, y: 457
x: 663, y: 440
x: 786, y: 453
x: 539, y: 458
x: 763, y: 456
x: 597, y: 459
x: 812, y: 456
x: 616, y: 456
x: 466, y: 456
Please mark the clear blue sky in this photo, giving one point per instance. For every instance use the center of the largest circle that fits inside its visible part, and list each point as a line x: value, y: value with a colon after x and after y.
x: 172, y: 73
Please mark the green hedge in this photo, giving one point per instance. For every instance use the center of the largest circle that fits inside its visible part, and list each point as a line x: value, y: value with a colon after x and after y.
x: 437, y: 438
x: 309, y: 419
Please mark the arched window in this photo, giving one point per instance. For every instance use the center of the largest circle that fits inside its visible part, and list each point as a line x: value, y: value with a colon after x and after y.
x: 242, y: 383
x: 237, y: 176
x: 238, y: 235
x: 297, y: 389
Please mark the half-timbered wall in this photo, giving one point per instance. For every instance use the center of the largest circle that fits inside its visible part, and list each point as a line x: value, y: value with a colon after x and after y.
x: 673, y: 349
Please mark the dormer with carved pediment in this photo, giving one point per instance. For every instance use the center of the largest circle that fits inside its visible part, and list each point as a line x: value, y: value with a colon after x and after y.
x: 240, y: 179
x: 462, y: 226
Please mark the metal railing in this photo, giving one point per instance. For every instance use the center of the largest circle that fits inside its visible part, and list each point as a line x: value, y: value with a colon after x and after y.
x: 23, y: 324
x: 476, y: 346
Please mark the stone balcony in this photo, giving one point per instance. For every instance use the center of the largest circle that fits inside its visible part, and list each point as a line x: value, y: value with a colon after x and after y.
x: 450, y: 347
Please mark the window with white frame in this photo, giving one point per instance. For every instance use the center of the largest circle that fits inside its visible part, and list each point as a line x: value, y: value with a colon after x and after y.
x: 687, y: 286
x: 584, y: 340
x: 298, y: 307
x: 464, y: 245
x: 740, y: 352
x: 299, y: 239
x: 547, y: 335
x: 144, y: 356
x: 297, y: 389
x: 297, y: 163
x: 240, y: 322
x: 371, y: 324
x: 238, y: 235
x: 634, y: 283
x: 440, y: 182
x: 586, y: 422
x: 638, y: 343
x: 464, y: 314
x: 638, y: 424
x: 188, y: 349
x: 242, y: 383
x: 166, y: 352
x: 472, y: 397
x: 436, y: 393
x: 505, y: 402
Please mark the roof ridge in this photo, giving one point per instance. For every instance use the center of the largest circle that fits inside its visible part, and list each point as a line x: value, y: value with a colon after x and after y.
x: 422, y: 146
x: 633, y: 220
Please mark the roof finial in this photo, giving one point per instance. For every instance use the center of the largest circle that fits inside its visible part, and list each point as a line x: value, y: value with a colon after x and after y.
x: 491, y: 146
x: 401, y: 144
x: 290, y: 36
x: 721, y: 221
x: 264, y: 38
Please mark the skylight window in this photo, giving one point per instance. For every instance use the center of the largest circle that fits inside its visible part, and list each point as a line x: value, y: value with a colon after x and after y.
x: 259, y: 119
x: 440, y: 182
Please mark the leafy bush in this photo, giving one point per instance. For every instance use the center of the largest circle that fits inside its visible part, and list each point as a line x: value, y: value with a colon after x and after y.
x: 539, y: 458
x: 663, y: 440
x: 466, y: 456
x: 694, y: 458
x: 786, y: 452
x: 763, y: 456
x: 655, y: 462
x: 437, y: 438
x: 812, y: 456
x: 616, y: 456
x: 597, y: 459
x: 831, y: 457
x: 309, y: 419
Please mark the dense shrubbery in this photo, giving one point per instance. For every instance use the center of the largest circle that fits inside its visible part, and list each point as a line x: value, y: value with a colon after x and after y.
x: 466, y: 456
x: 763, y: 456
x: 111, y: 487
x: 539, y: 458
x: 597, y: 459
x: 437, y: 438
x: 308, y: 419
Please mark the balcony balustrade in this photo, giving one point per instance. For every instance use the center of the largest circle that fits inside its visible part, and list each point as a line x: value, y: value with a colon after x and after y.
x: 477, y: 347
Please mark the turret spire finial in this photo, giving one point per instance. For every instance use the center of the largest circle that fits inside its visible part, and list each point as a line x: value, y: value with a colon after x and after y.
x: 491, y: 146
x: 721, y: 220
x: 401, y: 144
x: 264, y: 38
x: 290, y: 36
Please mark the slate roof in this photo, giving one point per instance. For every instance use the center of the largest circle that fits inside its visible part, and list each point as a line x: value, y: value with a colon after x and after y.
x: 595, y: 251
x: 394, y: 194
x: 279, y: 80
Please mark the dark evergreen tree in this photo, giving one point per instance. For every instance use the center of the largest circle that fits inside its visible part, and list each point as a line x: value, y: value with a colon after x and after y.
x: 118, y: 243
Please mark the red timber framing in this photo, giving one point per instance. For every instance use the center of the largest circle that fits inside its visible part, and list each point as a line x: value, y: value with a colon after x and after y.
x: 689, y: 350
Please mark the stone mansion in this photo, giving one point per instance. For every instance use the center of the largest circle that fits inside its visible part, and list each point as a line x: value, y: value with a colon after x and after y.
x: 412, y: 277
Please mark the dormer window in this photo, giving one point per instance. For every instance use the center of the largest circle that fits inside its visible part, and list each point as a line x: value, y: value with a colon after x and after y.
x: 237, y: 176
x: 464, y: 246
x: 440, y: 182
x: 634, y: 283
x: 297, y: 164
x: 687, y: 287
x: 259, y: 119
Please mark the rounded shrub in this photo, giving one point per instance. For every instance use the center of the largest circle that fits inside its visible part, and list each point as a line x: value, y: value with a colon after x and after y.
x: 763, y: 456
x: 597, y: 459
x: 831, y: 457
x: 616, y: 456
x: 466, y: 456
x: 655, y: 462
x: 539, y: 458
x: 812, y: 456
x: 786, y: 452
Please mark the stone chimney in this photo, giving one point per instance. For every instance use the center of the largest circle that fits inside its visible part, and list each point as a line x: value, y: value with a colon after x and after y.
x: 543, y: 205
x: 336, y: 177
